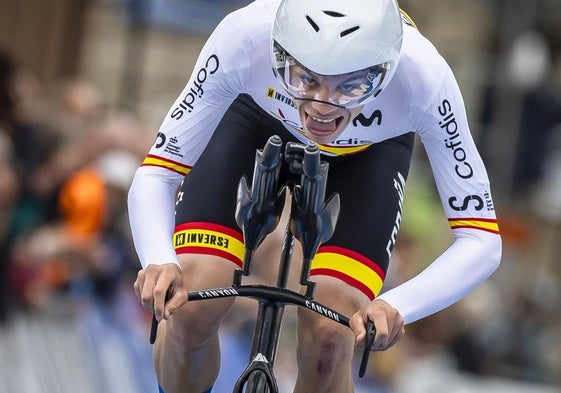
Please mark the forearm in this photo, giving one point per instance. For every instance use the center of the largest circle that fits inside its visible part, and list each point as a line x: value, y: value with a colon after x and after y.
x: 151, y: 204
x: 470, y: 260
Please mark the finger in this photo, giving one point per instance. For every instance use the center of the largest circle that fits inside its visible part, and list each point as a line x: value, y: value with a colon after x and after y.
x: 382, y: 332
x: 136, y: 287
x: 147, y: 294
x: 178, y: 299
x: 357, y: 324
x: 398, y: 327
x: 139, y: 283
x: 398, y: 336
x: 159, y: 295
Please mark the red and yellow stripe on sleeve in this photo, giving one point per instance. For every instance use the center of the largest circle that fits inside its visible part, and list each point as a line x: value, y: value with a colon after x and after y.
x: 483, y: 224
x: 152, y: 160
x: 351, y: 267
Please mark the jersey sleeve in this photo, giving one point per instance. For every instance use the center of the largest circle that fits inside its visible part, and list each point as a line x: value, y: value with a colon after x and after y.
x: 216, y: 80
x: 464, y: 190
x: 459, y: 172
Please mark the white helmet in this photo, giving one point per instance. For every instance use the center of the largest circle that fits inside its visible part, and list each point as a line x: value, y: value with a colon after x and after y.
x: 336, y: 37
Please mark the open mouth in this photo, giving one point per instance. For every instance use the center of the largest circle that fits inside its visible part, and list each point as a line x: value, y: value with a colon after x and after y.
x: 322, y: 126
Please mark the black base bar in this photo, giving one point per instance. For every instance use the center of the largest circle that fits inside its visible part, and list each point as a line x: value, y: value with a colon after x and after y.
x: 273, y: 295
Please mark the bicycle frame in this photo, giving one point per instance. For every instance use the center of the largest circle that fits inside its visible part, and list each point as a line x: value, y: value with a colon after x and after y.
x: 312, y: 222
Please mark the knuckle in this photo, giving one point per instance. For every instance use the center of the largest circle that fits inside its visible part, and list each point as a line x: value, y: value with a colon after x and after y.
x: 383, y: 335
x: 159, y: 292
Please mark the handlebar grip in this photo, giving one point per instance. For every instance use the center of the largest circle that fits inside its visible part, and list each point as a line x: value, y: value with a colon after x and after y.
x: 270, y: 155
x: 311, y: 165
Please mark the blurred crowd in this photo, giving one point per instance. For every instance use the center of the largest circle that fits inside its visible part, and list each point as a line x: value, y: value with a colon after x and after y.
x: 67, y: 160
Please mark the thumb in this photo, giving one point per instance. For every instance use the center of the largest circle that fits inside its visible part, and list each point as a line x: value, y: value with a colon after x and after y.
x: 178, y: 299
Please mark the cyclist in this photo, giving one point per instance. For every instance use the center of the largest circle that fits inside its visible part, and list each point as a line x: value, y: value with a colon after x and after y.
x: 357, y: 78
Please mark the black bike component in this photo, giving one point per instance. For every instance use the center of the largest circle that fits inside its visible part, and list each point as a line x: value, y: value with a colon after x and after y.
x: 266, y: 336
x: 269, y: 319
x: 258, y: 367
x: 269, y: 294
x: 286, y: 258
x: 294, y: 156
x: 312, y: 220
x: 259, y: 208
x: 153, y: 329
x: 368, y: 340
x: 154, y: 326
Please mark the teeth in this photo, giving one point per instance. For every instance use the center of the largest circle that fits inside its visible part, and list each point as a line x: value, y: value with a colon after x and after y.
x: 323, y: 120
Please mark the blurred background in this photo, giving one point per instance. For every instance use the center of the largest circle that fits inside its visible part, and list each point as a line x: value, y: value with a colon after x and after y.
x: 84, y: 84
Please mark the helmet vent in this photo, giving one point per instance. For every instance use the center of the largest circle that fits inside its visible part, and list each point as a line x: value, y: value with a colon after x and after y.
x: 349, y: 31
x: 312, y: 23
x: 333, y: 14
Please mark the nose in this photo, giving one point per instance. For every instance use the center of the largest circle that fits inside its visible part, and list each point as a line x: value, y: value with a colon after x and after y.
x: 324, y: 91
x: 323, y: 95
x: 323, y: 108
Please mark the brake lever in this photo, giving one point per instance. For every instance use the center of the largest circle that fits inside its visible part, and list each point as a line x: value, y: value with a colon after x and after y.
x: 368, y: 340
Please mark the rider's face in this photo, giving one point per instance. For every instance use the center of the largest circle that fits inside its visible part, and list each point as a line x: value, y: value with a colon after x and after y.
x: 324, y: 123
x: 317, y: 98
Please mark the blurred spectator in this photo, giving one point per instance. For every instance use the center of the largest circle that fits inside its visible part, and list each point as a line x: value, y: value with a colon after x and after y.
x: 88, y: 247
x: 527, y: 102
x: 547, y: 193
x: 9, y: 188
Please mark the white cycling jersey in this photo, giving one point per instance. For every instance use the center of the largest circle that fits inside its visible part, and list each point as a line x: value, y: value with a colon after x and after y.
x: 422, y: 97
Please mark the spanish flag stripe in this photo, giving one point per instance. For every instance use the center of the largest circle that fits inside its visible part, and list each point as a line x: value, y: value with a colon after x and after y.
x: 343, y: 277
x: 489, y: 225
x: 349, y: 267
x: 210, y: 251
x: 167, y: 160
x: 210, y: 227
x: 492, y: 220
x: 496, y: 231
x: 343, y: 150
x: 354, y: 255
x: 152, y: 160
x: 183, y: 173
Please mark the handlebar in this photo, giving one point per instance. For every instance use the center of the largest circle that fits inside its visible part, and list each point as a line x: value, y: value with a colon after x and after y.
x: 273, y: 295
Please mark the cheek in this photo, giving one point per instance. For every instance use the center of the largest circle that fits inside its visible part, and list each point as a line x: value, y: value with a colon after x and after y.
x: 302, y: 113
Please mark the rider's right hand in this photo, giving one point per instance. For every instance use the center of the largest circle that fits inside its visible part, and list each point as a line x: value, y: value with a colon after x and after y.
x: 161, y: 289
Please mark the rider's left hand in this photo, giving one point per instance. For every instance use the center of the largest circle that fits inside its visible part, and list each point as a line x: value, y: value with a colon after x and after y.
x: 387, y: 320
